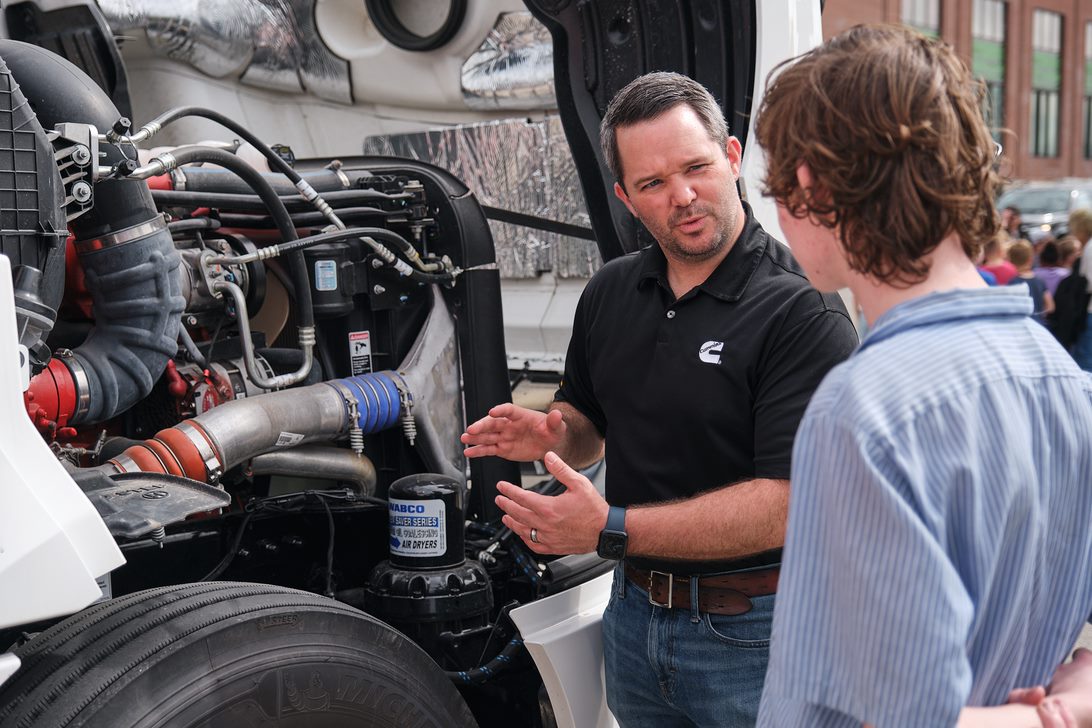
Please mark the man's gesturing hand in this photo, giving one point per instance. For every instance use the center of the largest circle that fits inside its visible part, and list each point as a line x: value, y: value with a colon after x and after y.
x: 564, y: 524
x: 514, y: 433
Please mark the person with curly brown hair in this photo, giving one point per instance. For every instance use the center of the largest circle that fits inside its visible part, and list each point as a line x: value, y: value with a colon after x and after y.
x: 938, y: 547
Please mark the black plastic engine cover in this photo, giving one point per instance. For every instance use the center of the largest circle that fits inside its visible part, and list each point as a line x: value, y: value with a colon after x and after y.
x: 138, y: 504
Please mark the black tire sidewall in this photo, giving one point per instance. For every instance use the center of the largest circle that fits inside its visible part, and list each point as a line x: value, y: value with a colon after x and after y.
x: 223, y: 655
x: 323, y: 670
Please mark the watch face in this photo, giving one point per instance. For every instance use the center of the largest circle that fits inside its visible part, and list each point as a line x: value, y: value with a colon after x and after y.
x: 612, y: 544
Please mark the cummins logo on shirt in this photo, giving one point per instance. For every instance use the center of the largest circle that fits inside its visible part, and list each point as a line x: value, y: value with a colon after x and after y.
x: 710, y: 352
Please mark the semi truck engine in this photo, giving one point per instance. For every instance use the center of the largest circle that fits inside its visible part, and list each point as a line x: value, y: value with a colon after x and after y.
x: 258, y: 371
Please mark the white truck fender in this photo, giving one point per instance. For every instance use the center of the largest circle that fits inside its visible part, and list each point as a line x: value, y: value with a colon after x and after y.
x: 53, y: 544
x: 564, y: 635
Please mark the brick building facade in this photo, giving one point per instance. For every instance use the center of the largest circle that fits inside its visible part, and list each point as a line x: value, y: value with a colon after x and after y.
x: 1035, y: 57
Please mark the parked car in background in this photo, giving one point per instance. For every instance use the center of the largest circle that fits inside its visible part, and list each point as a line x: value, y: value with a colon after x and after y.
x: 1045, y: 206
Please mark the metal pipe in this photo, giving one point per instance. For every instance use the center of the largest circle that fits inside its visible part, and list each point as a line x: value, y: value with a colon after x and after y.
x: 319, y: 461
x: 117, y: 135
x: 257, y: 375
x: 205, y: 446
x: 424, y: 273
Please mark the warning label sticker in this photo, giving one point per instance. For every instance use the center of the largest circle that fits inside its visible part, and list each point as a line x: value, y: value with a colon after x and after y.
x: 417, y: 527
x: 325, y: 275
x: 360, y: 352
x: 288, y: 439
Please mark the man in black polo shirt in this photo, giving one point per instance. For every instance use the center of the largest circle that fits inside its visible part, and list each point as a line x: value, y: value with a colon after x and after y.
x: 693, y: 360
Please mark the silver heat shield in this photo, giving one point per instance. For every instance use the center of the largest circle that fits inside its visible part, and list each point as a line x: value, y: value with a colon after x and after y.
x: 518, y: 165
x: 513, y: 68
x: 272, y: 44
x: 431, y: 371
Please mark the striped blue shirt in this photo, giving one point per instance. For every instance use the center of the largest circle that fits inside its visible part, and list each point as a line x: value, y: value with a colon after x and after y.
x: 940, y: 523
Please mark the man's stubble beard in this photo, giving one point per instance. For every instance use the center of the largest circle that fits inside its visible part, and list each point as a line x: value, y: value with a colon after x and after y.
x: 725, y: 219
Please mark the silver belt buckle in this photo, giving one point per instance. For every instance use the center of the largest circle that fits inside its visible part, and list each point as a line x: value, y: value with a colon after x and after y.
x: 670, y: 588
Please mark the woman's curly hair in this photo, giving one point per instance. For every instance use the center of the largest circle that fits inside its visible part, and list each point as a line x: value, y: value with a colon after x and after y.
x: 890, y: 124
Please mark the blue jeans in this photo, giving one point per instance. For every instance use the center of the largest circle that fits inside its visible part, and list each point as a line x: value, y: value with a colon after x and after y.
x: 677, y: 668
x: 1082, y: 350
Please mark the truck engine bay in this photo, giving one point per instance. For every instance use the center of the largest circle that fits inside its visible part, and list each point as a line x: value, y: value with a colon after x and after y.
x: 262, y: 376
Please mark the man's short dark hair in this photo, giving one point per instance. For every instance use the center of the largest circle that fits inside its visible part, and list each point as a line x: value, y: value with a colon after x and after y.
x: 647, y: 97
x: 890, y: 124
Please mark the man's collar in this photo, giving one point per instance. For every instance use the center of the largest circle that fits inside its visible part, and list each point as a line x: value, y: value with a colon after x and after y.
x: 729, y: 279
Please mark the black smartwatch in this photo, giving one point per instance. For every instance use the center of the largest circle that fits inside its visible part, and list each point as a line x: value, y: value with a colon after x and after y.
x: 613, y: 538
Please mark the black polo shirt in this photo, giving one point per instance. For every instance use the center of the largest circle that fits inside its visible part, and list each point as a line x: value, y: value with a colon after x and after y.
x: 707, y: 390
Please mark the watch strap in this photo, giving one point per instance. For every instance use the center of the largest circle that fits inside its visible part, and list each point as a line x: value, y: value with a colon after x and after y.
x: 616, y: 519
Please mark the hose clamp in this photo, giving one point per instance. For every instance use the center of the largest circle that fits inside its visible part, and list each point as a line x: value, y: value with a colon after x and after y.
x: 121, y: 237
x: 405, y: 398
x: 79, y: 379
x: 213, y: 467
x: 347, y: 395
x: 178, y: 179
x: 124, y: 464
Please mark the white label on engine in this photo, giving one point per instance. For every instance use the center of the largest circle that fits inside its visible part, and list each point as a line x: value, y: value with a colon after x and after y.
x: 325, y: 275
x: 105, y: 587
x: 417, y: 527
x: 288, y: 439
x: 360, y: 352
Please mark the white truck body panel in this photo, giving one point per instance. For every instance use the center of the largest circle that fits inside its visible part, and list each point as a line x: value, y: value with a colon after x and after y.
x: 564, y: 635
x: 53, y: 544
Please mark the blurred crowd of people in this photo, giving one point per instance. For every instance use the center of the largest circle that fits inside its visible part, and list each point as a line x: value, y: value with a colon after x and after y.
x: 1053, y: 270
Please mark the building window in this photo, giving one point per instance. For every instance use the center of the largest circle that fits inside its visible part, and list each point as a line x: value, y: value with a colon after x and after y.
x: 1088, y: 90
x: 923, y: 15
x: 988, y: 59
x: 1046, y: 82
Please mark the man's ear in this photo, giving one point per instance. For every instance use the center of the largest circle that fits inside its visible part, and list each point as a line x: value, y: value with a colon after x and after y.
x: 805, y: 179
x: 621, y: 195
x: 813, y: 189
x: 734, y: 152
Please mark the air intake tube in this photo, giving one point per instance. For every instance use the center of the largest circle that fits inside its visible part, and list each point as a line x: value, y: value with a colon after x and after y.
x: 131, y: 265
x: 415, y: 397
x: 204, y: 447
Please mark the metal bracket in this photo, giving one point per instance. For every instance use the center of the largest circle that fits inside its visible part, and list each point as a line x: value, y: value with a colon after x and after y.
x: 76, y: 151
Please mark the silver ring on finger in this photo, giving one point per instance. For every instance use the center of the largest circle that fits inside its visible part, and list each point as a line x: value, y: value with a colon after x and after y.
x: 534, y: 535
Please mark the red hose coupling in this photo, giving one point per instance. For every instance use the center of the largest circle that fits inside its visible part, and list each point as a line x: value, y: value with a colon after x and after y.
x: 51, y: 398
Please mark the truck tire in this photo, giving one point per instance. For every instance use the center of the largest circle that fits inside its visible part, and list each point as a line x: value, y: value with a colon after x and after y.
x: 227, y: 655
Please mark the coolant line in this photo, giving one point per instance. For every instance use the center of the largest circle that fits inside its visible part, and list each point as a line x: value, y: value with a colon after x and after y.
x: 368, y: 235
x: 274, y: 160
x: 259, y: 377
